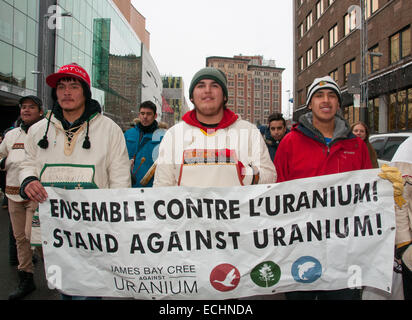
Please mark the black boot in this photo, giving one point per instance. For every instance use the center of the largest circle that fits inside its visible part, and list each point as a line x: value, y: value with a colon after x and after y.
x: 26, y: 285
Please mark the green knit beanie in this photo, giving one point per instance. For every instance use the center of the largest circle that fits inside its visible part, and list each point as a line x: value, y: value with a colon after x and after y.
x: 212, y: 74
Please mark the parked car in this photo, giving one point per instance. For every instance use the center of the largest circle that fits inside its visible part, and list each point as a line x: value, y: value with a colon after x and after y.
x: 386, y: 145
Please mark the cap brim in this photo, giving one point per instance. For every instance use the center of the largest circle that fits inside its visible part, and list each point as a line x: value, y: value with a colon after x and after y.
x: 54, y: 78
x: 35, y: 99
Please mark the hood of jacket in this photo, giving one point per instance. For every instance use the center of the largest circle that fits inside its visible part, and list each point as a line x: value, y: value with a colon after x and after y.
x: 229, y: 117
x: 92, y: 107
x: 342, y: 129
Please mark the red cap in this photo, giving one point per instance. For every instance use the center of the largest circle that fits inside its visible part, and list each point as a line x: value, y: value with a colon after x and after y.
x: 70, y: 70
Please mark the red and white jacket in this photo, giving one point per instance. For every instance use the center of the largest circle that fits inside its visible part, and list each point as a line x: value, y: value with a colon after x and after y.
x: 229, y: 155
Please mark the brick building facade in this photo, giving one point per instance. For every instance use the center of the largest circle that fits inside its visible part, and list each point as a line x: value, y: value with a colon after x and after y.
x: 254, y: 86
x: 328, y: 42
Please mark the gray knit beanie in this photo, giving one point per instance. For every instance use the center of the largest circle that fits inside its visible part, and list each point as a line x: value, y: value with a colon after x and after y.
x: 323, y: 83
x: 209, y: 73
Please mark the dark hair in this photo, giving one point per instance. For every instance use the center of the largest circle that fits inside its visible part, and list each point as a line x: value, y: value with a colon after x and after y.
x: 148, y: 105
x: 44, y: 143
x: 277, y: 116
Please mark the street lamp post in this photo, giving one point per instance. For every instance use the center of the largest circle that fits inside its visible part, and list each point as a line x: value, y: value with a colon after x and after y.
x: 364, y: 55
x: 365, y: 58
x: 56, y: 14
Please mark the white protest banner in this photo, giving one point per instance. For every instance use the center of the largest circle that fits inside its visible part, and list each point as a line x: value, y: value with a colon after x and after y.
x: 324, y: 233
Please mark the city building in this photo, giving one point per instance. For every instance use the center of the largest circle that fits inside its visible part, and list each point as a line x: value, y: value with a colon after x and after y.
x: 19, y: 25
x: 107, y: 37
x: 168, y: 113
x: 369, y: 58
x: 254, y: 85
x: 173, y: 93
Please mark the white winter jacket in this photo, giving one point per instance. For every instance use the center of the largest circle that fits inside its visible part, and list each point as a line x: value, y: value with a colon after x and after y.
x: 12, y: 147
x: 241, y: 139
x: 68, y: 165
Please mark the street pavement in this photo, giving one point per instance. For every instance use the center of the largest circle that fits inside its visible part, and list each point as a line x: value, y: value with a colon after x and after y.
x: 8, y: 273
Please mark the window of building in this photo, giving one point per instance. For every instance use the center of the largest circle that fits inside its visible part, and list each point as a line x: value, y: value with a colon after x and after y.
x: 300, y: 31
x: 309, y: 21
x: 400, y: 45
x: 349, y: 67
x: 309, y: 57
x: 319, y: 8
x: 334, y: 75
x: 300, y: 2
x: 373, y: 110
x: 373, y: 60
x: 333, y: 36
x: 301, y: 97
x: 320, y: 47
x: 349, y: 21
x: 351, y: 114
x: 300, y: 64
x: 370, y: 7
x: 400, y: 110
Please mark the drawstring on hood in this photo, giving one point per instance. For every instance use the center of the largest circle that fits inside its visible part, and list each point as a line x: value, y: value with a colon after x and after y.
x: 92, y: 107
x: 44, y: 143
x: 86, y: 142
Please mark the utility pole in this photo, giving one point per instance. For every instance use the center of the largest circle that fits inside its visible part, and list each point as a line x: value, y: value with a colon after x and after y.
x: 363, y: 59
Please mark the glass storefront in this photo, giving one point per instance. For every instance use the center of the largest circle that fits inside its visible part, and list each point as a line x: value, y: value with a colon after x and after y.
x: 400, y: 111
x: 352, y: 114
x: 373, y: 111
x: 18, y: 45
x: 98, y: 38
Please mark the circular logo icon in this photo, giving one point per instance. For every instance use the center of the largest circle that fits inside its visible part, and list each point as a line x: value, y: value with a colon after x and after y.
x: 306, y: 269
x: 225, y: 277
x: 266, y: 274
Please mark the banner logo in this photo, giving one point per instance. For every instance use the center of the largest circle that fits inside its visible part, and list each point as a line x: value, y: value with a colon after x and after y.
x: 225, y: 277
x: 266, y: 274
x: 306, y: 270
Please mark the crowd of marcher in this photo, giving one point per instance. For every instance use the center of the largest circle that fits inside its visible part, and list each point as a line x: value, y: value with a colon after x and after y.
x: 211, y: 146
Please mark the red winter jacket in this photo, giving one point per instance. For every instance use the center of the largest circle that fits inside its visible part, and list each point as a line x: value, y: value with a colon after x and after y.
x: 303, y: 153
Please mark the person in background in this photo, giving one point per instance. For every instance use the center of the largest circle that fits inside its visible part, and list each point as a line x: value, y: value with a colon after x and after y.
x: 402, y: 160
x: 142, y: 143
x: 13, y: 260
x: 12, y: 152
x: 75, y: 139
x: 361, y: 130
x: 274, y: 132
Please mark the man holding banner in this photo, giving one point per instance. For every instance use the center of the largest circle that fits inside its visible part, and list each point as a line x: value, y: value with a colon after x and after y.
x: 212, y: 146
x: 86, y: 151
x: 321, y: 143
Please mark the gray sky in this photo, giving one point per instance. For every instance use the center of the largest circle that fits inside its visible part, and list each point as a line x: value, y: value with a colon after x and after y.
x: 184, y: 32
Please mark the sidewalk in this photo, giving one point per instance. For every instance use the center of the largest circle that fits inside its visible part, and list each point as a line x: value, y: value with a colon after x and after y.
x: 8, y: 274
